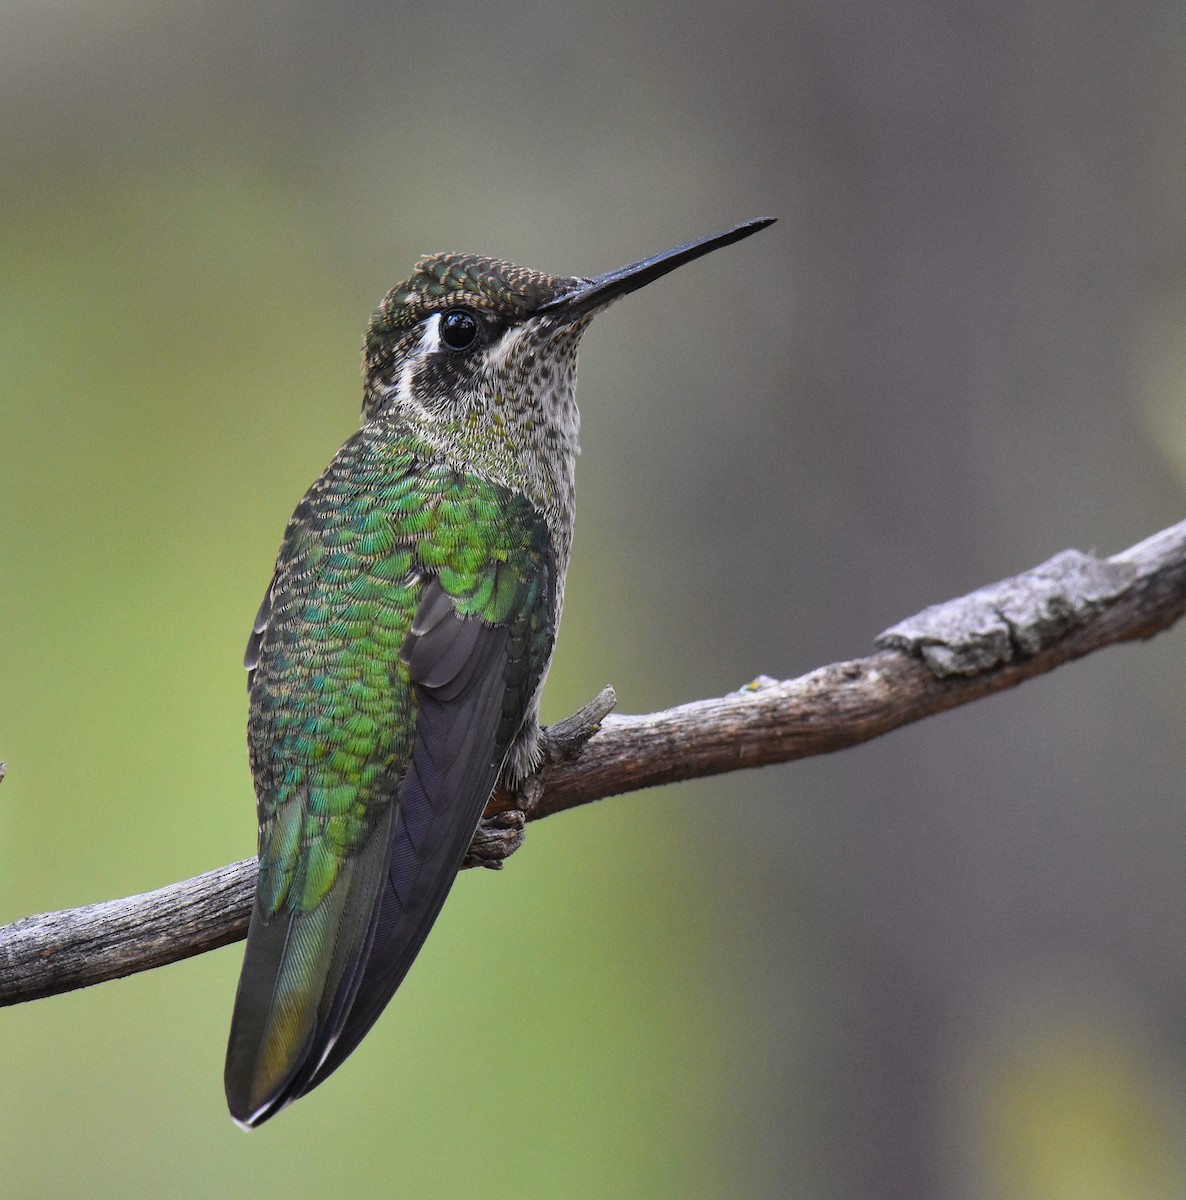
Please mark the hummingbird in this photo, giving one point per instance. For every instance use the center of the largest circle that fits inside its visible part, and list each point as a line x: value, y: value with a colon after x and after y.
x: 396, y: 663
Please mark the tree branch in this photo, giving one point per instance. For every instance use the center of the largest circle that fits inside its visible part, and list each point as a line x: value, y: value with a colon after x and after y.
x: 951, y: 654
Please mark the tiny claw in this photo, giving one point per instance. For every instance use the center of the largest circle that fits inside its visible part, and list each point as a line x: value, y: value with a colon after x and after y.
x: 502, y: 799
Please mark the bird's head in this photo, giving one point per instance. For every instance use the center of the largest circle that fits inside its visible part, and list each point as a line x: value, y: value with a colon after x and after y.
x: 469, y: 339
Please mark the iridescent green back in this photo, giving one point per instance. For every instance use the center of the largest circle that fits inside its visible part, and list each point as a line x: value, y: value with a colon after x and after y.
x: 333, y: 712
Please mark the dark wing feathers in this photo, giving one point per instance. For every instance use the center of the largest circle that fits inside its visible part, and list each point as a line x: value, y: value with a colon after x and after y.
x: 437, y: 656
x: 459, y: 664
x: 436, y: 605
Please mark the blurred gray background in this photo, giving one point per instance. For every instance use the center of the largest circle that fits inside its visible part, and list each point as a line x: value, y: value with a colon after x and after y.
x: 951, y: 963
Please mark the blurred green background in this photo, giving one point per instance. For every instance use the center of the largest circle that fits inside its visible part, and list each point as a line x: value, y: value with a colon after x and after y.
x: 949, y: 964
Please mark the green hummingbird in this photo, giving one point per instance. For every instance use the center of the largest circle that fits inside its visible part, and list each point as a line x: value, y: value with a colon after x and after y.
x: 395, y: 666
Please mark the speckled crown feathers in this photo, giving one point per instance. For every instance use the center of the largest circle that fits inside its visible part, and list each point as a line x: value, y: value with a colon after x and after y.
x: 442, y: 280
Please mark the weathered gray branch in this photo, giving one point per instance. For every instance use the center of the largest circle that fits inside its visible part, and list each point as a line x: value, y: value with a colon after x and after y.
x: 956, y: 652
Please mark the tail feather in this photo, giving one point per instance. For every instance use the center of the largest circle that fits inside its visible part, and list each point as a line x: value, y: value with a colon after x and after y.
x: 300, y: 976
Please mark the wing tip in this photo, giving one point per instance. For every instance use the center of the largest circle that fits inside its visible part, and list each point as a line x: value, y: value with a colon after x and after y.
x: 248, y: 1121
x: 251, y: 1098
x: 250, y: 1112
x: 254, y: 1099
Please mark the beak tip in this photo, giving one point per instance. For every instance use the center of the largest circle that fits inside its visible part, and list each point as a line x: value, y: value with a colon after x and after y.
x: 603, y: 289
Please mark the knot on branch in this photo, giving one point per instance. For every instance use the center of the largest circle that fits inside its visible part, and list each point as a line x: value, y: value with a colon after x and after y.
x: 1016, y: 618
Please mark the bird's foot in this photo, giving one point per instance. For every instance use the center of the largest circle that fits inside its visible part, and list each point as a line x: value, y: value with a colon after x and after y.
x: 502, y: 828
x: 498, y: 836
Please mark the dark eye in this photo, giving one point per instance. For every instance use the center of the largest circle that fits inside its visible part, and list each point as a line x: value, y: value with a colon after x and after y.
x: 458, y: 329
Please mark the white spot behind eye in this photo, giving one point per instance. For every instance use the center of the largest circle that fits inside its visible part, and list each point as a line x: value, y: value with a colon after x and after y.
x: 430, y: 339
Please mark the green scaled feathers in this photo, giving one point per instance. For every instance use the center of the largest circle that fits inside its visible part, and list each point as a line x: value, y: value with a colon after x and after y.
x: 336, y: 709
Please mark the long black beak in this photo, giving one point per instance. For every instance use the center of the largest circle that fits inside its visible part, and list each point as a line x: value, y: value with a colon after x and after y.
x: 595, y: 293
